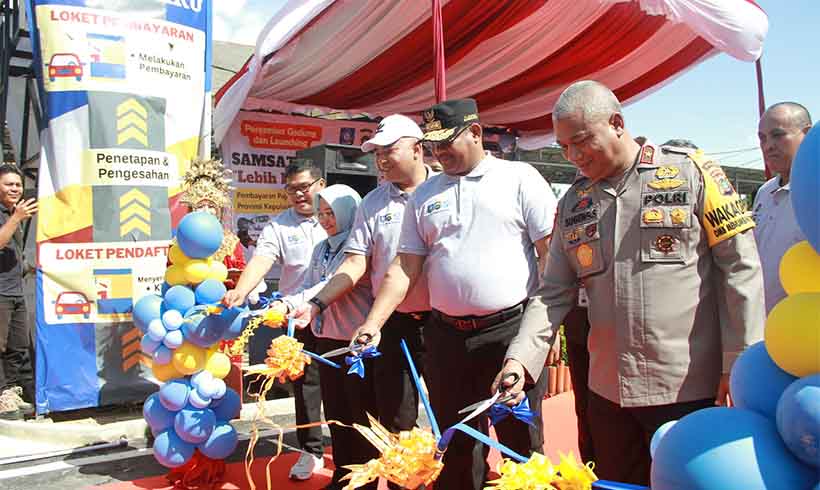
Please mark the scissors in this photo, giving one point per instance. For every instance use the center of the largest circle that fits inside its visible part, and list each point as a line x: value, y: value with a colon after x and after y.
x: 361, y: 343
x: 482, y: 405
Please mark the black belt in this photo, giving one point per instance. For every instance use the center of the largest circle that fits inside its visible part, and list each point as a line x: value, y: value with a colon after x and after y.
x: 473, y: 322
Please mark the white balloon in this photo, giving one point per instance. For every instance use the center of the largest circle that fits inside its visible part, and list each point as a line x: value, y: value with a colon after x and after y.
x: 172, y: 319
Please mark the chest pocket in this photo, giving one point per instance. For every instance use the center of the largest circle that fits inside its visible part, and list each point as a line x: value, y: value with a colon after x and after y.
x: 581, y: 239
x: 665, y: 215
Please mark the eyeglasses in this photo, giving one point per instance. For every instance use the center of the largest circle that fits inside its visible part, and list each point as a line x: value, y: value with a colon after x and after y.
x: 303, y: 188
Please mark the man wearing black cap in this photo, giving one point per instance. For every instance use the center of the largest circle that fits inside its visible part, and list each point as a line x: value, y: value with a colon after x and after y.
x: 474, y: 232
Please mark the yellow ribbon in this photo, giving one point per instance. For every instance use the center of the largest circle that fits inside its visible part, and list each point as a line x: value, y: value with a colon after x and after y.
x: 272, y: 318
x: 407, y: 458
x: 285, y: 361
x: 540, y: 474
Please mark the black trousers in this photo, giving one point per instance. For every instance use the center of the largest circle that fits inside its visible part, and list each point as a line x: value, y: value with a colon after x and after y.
x: 396, y: 395
x: 578, y: 357
x: 348, y: 399
x: 460, y: 368
x: 307, y: 394
x: 15, y: 345
x: 622, y: 435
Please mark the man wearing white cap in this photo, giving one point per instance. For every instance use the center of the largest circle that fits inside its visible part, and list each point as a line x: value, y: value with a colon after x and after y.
x: 373, y: 243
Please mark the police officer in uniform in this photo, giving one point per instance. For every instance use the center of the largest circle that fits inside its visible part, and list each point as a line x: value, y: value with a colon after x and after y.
x: 370, y: 248
x: 664, y: 247
x: 474, y: 231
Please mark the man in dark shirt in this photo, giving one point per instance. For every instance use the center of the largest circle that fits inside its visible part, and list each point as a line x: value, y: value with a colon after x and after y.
x: 16, y: 374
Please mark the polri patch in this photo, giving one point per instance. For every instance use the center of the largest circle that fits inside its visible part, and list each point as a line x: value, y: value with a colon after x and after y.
x: 585, y: 255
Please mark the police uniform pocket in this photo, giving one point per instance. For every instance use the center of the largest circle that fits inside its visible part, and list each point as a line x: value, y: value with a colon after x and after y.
x: 663, y: 245
x: 583, y: 249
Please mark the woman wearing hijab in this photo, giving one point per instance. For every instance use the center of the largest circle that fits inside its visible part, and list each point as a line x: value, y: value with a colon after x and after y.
x: 346, y: 398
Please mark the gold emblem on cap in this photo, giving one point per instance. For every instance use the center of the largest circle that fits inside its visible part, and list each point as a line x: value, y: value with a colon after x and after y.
x: 585, y: 255
x: 470, y: 117
x: 429, y: 115
x: 678, y: 216
x: 651, y: 216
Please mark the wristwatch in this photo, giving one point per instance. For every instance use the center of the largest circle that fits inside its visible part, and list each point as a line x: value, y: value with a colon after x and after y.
x: 319, y: 304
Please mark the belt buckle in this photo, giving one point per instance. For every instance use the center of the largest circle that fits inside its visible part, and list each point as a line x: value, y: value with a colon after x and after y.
x: 463, y: 324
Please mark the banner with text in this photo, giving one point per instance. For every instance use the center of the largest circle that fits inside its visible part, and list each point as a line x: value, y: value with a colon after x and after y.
x: 259, y: 147
x: 126, y: 96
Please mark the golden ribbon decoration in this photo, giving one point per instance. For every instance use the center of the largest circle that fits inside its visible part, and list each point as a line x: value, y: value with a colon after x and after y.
x: 540, y: 474
x: 407, y: 458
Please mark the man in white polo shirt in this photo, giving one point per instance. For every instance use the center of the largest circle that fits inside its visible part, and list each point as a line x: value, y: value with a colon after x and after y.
x: 473, y: 231
x: 781, y: 130
x: 289, y: 240
x: 372, y: 244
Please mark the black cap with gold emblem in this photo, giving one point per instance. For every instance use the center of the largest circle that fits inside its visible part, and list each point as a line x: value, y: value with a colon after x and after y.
x: 444, y: 121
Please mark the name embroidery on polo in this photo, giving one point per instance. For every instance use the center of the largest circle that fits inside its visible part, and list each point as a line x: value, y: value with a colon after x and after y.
x: 294, y: 239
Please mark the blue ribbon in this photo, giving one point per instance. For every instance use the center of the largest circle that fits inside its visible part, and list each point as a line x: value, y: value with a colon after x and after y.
x: 522, y: 412
x: 449, y: 433
x: 356, y: 359
x: 427, y: 408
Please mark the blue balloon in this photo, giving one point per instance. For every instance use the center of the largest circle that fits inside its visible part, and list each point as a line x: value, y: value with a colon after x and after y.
x: 238, y: 323
x: 227, y: 407
x: 199, y: 235
x: 208, y: 389
x: 720, y: 448
x: 164, y: 289
x: 221, y: 389
x: 194, y: 425
x: 805, y: 180
x: 204, y: 330
x: 221, y: 443
x: 172, y: 319
x: 658, y: 435
x: 156, y: 330
x: 757, y: 382
x: 162, y: 355
x: 210, y: 291
x: 798, y: 419
x: 179, y: 298
x: 146, y: 309
x: 149, y: 345
x: 197, y: 400
x: 174, y: 394
x: 173, y: 339
x: 157, y: 416
x: 171, y: 451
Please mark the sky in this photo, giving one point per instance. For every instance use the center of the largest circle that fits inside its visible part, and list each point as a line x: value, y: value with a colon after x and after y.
x: 714, y: 104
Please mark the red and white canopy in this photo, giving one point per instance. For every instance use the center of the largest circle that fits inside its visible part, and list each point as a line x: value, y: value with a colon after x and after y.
x: 514, y: 56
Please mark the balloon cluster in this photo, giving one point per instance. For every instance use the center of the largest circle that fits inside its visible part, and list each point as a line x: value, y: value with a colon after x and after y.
x: 771, y: 438
x: 182, y: 329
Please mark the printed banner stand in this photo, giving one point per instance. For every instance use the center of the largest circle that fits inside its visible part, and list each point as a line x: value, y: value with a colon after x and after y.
x: 126, y: 100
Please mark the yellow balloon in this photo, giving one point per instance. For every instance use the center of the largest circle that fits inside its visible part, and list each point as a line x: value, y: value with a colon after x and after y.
x: 165, y: 372
x: 800, y: 269
x: 189, y: 359
x: 175, y: 275
x: 196, y: 271
x: 792, y: 334
x: 219, y: 365
x: 218, y: 271
x: 176, y: 256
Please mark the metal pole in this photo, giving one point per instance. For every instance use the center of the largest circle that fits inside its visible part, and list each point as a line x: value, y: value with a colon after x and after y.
x: 761, y: 105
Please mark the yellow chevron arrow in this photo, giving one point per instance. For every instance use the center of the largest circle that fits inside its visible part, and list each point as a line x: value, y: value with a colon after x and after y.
x: 132, y: 105
x: 132, y: 119
x: 135, y: 209
x: 134, y: 223
x: 135, y: 195
x: 132, y: 133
